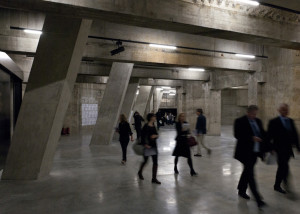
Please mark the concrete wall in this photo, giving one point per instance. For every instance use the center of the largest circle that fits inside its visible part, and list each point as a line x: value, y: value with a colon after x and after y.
x: 283, y: 83
x: 231, y: 101
x: 168, y: 101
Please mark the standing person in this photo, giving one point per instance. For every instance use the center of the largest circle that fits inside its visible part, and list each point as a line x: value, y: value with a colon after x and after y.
x: 138, y: 119
x: 251, y: 143
x: 149, y: 136
x: 200, y: 132
x: 283, y: 134
x: 182, y: 149
x: 124, y: 131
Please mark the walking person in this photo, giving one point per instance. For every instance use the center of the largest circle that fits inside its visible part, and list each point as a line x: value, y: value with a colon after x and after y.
x: 149, y: 137
x: 138, y: 119
x: 201, y: 132
x: 283, y: 135
x: 251, y: 143
x: 125, y: 132
x: 182, y: 149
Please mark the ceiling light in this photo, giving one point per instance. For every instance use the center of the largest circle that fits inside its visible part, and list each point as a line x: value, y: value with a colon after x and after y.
x: 38, y: 32
x: 166, y: 87
x: 3, y: 55
x: 245, y: 56
x: 172, y: 94
x: 196, y: 69
x: 137, y: 92
x: 163, y: 46
x: 166, y: 92
x: 159, y: 89
x: 253, y: 3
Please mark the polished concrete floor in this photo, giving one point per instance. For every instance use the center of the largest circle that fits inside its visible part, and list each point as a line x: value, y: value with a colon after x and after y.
x: 91, y: 180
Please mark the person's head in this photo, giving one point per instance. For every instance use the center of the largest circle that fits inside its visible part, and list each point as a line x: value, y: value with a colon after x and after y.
x: 136, y: 113
x: 123, y: 118
x: 252, y: 111
x: 283, y: 109
x: 199, y: 111
x: 151, y: 117
x: 181, y: 117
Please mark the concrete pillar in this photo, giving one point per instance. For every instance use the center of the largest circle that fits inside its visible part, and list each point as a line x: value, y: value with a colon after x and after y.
x: 46, y: 99
x: 252, y: 90
x: 148, y: 106
x: 212, y: 109
x: 142, y: 99
x: 111, y: 103
x: 180, y: 100
x: 157, y: 97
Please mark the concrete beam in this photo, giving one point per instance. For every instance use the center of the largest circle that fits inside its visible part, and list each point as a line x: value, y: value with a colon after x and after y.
x: 181, y: 16
x: 46, y: 99
x: 10, y: 65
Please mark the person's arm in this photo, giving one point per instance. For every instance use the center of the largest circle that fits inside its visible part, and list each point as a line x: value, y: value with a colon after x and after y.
x: 204, y: 125
x: 270, y: 135
x: 129, y: 131
x: 142, y: 119
x: 198, y: 125
x: 240, y: 132
x: 296, y: 136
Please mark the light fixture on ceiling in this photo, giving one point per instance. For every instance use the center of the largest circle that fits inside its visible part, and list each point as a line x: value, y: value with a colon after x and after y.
x: 119, y: 49
x: 245, y: 56
x: 159, y: 89
x: 196, y: 69
x: 166, y: 87
x: 137, y: 92
x: 163, y: 46
x: 253, y: 3
x: 3, y: 55
x: 38, y: 32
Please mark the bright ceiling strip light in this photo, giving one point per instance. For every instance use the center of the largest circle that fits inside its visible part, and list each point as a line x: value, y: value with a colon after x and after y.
x: 159, y: 89
x: 245, y: 56
x: 38, y: 32
x: 163, y: 46
x: 196, y: 69
x: 253, y: 3
x: 166, y: 87
x: 171, y: 94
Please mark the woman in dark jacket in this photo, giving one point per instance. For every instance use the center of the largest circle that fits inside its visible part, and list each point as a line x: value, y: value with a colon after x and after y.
x: 149, y: 136
x: 124, y: 131
x: 182, y: 149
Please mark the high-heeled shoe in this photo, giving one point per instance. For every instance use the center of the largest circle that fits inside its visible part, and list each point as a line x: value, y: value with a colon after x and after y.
x: 141, y: 177
x: 155, y: 181
x: 176, y: 170
x: 193, y: 173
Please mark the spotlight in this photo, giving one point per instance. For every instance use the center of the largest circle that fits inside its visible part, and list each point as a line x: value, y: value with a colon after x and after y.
x: 119, y: 49
x: 38, y: 32
x: 196, y: 69
x: 245, y: 56
x: 163, y: 46
x: 253, y: 3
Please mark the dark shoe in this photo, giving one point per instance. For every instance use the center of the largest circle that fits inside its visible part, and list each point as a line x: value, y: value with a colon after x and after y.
x: 123, y: 162
x: 279, y: 189
x: 140, y: 175
x: 176, y: 171
x: 261, y: 204
x: 244, y: 195
x: 193, y: 173
x: 198, y: 155
x: 209, y: 151
x: 155, y: 181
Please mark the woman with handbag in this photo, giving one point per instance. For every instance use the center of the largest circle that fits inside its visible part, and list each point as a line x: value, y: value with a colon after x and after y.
x: 149, y: 136
x: 182, y: 148
x: 124, y: 131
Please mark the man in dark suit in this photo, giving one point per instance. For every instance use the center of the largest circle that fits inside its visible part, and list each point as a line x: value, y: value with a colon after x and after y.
x: 283, y: 135
x: 251, y: 141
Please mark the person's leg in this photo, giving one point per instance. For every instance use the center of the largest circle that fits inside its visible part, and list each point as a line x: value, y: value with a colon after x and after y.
x: 204, y: 145
x: 244, y: 179
x: 140, y: 172
x: 123, y: 151
x: 199, y: 139
x: 125, y: 144
x: 252, y: 183
x: 281, y: 171
x: 154, y: 169
x: 175, y: 165
x: 190, y: 163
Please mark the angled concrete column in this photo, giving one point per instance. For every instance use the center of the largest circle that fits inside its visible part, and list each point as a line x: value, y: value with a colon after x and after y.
x: 142, y: 99
x: 111, y: 103
x: 180, y: 100
x: 157, y: 97
x: 148, y: 106
x: 46, y: 98
x: 252, y: 90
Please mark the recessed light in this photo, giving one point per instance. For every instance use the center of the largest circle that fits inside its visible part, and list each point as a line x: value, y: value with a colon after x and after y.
x: 196, y: 69
x: 253, y: 3
x: 245, y: 56
x: 38, y: 32
x: 163, y: 46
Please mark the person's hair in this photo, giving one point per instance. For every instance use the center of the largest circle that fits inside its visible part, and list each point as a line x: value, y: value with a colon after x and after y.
x: 252, y: 108
x: 149, y: 116
x: 123, y: 118
x: 179, y: 116
x: 200, y: 110
x: 283, y: 105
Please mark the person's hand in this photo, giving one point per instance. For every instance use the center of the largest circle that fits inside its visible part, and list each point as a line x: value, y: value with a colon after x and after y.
x: 257, y: 139
x: 132, y: 139
x: 147, y: 146
x: 154, y: 136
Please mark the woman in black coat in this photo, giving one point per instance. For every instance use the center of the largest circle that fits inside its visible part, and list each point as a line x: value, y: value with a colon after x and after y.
x: 182, y: 149
x: 124, y: 131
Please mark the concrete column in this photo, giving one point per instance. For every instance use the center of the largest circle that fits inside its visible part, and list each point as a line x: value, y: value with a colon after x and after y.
x: 252, y: 90
x: 212, y: 110
x: 148, y: 106
x: 157, y: 97
x: 111, y: 103
x: 46, y: 99
x: 142, y: 99
x: 180, y: 100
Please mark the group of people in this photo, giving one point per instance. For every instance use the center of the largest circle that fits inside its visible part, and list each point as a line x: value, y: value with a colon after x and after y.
x: 162, y: 119
x: 252, y: 142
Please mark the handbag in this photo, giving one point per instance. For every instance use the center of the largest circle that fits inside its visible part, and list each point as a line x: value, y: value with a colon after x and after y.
x: 271, y: 159
x: 149, y: 152
x: 138, y: 148
x: 191, y: 141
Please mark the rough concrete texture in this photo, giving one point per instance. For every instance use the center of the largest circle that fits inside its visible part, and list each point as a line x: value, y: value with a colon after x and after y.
x: 111, y: 103
x: 142, y: 100
x: 168, y: 101
x: 283, y: 83
x: 46, y: 99
x: 231, y: 107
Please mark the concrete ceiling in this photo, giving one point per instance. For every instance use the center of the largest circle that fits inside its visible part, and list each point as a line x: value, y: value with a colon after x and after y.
x: 288, y: 4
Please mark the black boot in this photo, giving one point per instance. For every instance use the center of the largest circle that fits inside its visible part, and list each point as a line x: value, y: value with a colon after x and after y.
x: 176, y: 170
x: 140, y: 173
x: 154, y: 173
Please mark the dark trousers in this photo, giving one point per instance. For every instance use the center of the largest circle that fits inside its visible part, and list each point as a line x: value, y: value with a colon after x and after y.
x: 138, y: 132
x: 248, y: 177
x: 282, y: 170
x: 154, y: 168
x: 189, y: 160
x: 124, y: 145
